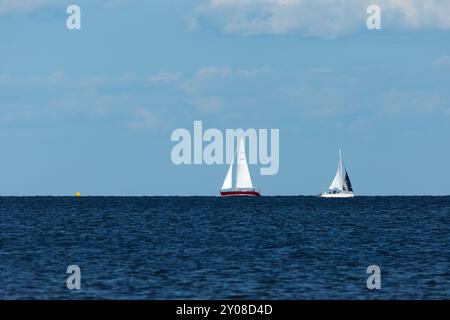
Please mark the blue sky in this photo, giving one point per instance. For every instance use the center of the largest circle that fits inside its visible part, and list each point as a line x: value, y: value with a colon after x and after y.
x: 92, y: 110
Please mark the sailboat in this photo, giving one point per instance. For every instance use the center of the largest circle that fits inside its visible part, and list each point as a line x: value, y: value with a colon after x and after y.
x: 341, y: 187
x: 244, y: 185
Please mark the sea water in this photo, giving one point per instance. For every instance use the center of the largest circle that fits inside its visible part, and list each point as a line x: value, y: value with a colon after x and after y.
x: 216, y: 248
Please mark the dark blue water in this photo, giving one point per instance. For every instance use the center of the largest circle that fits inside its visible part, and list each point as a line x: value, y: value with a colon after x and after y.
x: 206, y: 247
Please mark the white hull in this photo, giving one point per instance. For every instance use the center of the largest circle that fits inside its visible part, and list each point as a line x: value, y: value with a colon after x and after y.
x: 337, y: 195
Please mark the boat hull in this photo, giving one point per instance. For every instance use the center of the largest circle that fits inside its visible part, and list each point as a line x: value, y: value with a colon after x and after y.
x: 337, y: 195
x: 238, y: 193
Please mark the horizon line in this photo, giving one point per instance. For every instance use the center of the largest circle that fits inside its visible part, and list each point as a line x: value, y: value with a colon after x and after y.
x: 209, y: 196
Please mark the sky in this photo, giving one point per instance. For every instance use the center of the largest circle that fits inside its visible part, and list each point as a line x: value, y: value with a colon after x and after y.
x: 92, y: 110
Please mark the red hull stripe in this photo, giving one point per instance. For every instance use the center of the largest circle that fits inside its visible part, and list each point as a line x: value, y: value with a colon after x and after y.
x: 240, y: 193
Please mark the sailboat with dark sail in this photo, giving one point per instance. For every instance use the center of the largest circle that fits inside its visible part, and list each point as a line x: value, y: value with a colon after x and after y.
x: 244, y: 185
x: 341, y: 187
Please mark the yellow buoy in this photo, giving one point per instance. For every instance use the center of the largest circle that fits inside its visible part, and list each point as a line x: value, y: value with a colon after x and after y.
x: 78, y: 194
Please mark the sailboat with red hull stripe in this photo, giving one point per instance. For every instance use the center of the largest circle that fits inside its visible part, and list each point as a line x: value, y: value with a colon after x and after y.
x: 244, y: 186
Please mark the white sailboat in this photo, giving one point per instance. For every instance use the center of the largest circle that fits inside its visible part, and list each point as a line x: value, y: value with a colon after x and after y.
x: 341, y: 187
x: 244, y: 185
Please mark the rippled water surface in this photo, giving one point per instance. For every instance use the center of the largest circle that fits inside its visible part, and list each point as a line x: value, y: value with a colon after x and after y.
x: 208, y: 247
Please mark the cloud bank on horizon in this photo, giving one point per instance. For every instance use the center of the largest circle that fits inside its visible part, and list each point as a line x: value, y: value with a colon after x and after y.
x: 322, y: 18
x: 315, y: 18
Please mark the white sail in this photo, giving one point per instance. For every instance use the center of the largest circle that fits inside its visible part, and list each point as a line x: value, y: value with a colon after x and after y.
x: 338, y: 180
x: 228, y: 182
x: 243, y: 180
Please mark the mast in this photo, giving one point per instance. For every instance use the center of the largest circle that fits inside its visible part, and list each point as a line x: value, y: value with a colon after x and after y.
x: 340, y: 169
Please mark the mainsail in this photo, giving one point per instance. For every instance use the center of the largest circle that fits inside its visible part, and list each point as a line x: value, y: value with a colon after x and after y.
x: 338, y: 180
x: 243, y: 180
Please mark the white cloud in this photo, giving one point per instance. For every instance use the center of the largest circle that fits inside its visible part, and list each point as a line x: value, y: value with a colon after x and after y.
x: 443, y: 61
x: 447, y: 112
x: 206, y: 75
x: 61, y: 80
x: 252, y: 72
x: 212, y: 72
x: 412, y: 103
x: 192, y: 23
x: 145, y: 120
x: 165, y: 77
x: 207, y: 104
x: 55, y: 95
x: 210, y: 88
x: 328, y: 18
x: 7, y: 6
